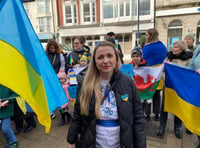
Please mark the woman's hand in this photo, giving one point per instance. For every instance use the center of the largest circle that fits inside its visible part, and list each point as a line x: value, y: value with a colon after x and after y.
x: 72, y: 146
x: 198, y: 71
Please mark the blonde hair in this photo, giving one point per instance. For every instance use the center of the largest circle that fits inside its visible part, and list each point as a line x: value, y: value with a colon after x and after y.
x: 92, y: 80
x: 181, y: 44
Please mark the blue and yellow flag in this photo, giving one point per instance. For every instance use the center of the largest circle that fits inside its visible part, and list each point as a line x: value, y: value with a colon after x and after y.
x: 24, y: 66
x: 182, y: 95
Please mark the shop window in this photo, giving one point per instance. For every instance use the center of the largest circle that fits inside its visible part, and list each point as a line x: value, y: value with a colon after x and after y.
x: 119, y: 38
x: 96, y: 38
x: 127, y: 38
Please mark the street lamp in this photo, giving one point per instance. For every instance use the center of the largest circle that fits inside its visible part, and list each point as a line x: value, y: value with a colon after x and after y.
x: 138, y: 24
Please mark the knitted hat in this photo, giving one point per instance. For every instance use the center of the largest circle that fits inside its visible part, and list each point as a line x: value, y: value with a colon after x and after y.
x: 136, y: 50
x: 62, y: 74
x: 83, y: 58
x: 191, y: 35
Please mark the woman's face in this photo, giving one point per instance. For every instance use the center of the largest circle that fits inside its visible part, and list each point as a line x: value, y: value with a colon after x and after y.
x: 77, y: 44
x: 189, y: 41
x: 136, y: 59
x: 176, y: 49
x: 52, y: 49
x: 105, y: 59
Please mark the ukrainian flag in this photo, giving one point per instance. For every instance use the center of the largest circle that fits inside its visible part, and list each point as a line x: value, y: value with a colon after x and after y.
x: 182, y: 95
x: 24, y: 66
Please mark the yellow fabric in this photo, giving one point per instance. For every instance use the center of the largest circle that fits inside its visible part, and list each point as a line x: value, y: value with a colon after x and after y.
x: 17, y: 74
x: 188, y: 113
x: 160, y: 85
x: 21, y: 104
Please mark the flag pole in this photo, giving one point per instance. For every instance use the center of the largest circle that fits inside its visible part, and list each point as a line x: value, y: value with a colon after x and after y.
x: 138, y: 24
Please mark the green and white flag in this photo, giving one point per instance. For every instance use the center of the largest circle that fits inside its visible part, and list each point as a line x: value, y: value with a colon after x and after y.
x: 147, y: 79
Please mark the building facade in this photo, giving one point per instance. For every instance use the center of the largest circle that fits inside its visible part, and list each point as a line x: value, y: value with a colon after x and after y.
x: 43, y: 16
x: 92, y: 19
x: 177, y: 18
x: 65, y: 19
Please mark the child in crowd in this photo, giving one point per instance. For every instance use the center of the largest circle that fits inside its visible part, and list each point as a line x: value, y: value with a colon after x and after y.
x: 136, y: 56
x: 82, y: 65
x: 138, y: 61
x: 6, y: 111
x: 64, y: 108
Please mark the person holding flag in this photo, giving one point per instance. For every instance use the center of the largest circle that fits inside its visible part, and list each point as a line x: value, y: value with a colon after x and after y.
x: 7, y: 98
x: 154, y: 53
x: 180, y: 56
x: 195, y: 65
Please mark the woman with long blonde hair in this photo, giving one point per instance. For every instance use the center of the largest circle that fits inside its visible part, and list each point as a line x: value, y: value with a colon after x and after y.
x: 108, y: 111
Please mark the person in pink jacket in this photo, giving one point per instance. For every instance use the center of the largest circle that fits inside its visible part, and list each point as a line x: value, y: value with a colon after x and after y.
x: 64, y: 110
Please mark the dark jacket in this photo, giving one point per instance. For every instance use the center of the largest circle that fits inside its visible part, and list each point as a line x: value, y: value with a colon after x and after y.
x: 130, y: 114
x: 119, y: 48
x: 55, y: 63
x: 7, y: 111
x: 74, y: 57
x: 180, y: 59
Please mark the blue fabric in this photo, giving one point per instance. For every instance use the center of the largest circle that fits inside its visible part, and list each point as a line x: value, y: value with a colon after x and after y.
x: 154, y: 53
x: 28, y: 44
x: 7, y: 130
x: 108, y: 123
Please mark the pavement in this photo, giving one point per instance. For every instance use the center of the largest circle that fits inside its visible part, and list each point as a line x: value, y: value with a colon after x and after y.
x: 57, y: 136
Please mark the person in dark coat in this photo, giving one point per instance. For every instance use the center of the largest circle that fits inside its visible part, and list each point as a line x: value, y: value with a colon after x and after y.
x: 111, y: 38
x: 73, y: 58
x: 55, y: 56
x: 6, y: 112
x: 108, y: 111
x: 189, y: 40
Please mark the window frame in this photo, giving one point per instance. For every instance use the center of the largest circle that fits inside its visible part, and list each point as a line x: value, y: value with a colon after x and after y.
x: 44, y: 6
x: 92, y: 12
x: 46, y: 24
x: 74, y: 12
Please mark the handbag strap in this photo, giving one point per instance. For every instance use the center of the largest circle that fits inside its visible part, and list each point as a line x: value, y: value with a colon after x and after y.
x: 54, y: 58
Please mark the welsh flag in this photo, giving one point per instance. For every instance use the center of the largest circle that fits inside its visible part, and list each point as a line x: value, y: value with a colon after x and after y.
x: 147, y: 79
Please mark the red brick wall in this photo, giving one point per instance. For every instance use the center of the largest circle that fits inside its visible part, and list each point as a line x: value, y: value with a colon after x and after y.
x: 98, y: 11
x: 60, y: 12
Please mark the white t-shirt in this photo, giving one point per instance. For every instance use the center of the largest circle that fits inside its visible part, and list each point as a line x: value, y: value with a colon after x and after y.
x: 108, y: 137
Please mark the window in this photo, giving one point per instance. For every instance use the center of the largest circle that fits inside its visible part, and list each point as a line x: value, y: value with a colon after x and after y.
x: 108, y: 9
x: 116, y: 8
x: 134, y: 8
x: 88, y: 10
x: 174, y: 33
x: 127, y: 38
x: 144, y: 7
x: 43, y: 6
x: 44, y: 24
x: 70, y: 13
x: 119, y: 38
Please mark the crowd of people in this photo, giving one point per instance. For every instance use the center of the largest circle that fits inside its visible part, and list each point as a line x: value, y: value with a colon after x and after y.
x: 107, y: 112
